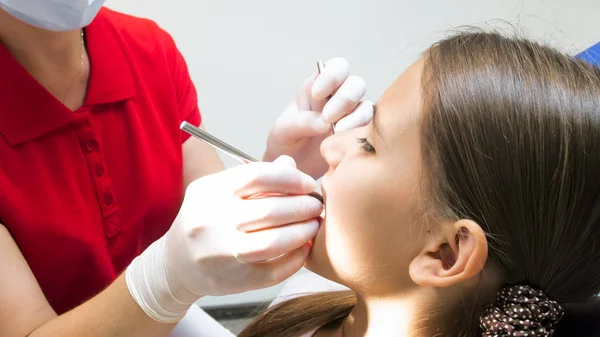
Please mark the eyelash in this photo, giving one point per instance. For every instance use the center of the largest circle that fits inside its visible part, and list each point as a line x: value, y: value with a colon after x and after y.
x: 365, y: 145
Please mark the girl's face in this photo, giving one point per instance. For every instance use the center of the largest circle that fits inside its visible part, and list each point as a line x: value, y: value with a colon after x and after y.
x: 373, y: 225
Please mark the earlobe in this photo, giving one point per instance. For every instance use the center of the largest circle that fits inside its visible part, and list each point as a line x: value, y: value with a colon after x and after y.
x: 456, y: 255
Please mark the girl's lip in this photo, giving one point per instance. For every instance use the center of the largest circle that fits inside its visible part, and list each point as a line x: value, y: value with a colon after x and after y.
x: 318, y: 196
x: 324, y: 190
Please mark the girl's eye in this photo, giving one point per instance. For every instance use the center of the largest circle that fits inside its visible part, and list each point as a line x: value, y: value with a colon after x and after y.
x: 365, y: 145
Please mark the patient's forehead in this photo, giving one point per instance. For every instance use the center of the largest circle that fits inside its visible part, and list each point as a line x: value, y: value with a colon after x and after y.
x: 399, y: 107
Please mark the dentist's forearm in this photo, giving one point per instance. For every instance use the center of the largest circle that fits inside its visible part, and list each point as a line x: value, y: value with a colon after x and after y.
x: 112, y: 313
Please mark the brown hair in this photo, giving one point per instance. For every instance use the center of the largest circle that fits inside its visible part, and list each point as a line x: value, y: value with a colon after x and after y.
x: 511, y: 140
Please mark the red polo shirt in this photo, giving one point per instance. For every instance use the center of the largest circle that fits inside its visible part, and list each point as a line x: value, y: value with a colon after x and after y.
x: 83, y: 192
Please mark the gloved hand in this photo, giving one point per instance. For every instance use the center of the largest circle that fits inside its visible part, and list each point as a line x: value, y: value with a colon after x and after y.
x: 223, y: 236
x: 306, y: 122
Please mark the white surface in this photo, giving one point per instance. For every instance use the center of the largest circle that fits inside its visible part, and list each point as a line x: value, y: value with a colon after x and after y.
x: 198, y: 323
x: 247, y: 58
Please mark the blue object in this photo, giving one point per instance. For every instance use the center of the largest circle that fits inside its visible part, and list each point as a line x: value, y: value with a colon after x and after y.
x: 591, y: 55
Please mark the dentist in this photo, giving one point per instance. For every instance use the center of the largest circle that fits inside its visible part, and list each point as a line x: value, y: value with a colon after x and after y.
x: 112, y: 221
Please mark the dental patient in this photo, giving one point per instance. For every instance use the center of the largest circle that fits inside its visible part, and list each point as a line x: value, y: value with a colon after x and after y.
x: 468, y: 207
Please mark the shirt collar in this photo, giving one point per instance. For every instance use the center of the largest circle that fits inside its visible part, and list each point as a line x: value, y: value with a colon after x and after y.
x: 30, y: 111
x: 111, y: 77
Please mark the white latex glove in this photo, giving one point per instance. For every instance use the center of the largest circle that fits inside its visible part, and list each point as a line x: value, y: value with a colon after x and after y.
x: 222, y: 236
x: 306, y: 122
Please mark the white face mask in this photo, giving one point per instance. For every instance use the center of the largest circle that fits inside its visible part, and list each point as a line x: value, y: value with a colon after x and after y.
x: 56, y: 15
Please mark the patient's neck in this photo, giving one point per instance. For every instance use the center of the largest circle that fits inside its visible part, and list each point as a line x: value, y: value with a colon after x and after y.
x: 393, y: 316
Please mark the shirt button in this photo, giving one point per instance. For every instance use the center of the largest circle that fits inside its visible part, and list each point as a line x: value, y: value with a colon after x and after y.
x: 108, y: 198
x: 113, y: 230
x: 99, y: 170
x: 91, y: 145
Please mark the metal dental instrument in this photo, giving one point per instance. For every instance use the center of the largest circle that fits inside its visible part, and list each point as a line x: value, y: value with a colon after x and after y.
x: 226, y: 148
x: 217, y: 143
x: 320, y: 67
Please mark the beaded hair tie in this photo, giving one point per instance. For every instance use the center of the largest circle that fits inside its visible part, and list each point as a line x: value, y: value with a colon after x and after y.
x: 521, y: 311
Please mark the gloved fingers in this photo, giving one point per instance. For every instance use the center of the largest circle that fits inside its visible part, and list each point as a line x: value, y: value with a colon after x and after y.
x: 272, y: 211
x: 331, y: 78
x: 305, y: 100
x: 345, y: 100
x: 285, y: 160
x: 272, y: 243
x: 305, y: 124
x: 273, y: 272
x: 264, y: 177
x: 361, y: 116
